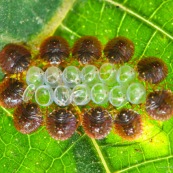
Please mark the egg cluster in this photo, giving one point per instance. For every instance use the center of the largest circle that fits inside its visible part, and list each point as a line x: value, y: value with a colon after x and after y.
x: 72, y: 86
x: 62, y: 86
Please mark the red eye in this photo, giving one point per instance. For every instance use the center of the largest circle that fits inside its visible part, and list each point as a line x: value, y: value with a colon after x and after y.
x: 159, y: 105
x: 54, y: 50
x: 97, y: 123
x: 128, y: 124
x: 87, y: 49
x: 61, y: 124
x: 11, y: 91
x: 119, y: 50
x: 152, y: 69
x: 27, y: 118
x: 14, y: 58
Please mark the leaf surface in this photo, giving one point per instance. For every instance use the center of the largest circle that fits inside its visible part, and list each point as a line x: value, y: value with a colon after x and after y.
x: 149, y: 24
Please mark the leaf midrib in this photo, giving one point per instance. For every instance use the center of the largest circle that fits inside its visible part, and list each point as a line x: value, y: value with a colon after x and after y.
x: 100, y: 155
x: 53, y: 23
x: 131, y: 12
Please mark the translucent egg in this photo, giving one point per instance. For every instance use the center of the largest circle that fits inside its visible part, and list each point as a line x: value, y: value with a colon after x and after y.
x: 52, y: 76
x: 35, y: 76
x: 136, y: 93
x: 125, y: 75
x: 117, y: 96
x: 99, y: 93
x: 90, y: 75
x: 107, y: 74
x: 28, y: 93
x: 62, y: 95
x: 71, y: 76
x: 81, y: 94
x: 44, y: 95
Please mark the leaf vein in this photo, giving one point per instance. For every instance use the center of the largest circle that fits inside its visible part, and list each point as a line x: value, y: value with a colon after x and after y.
x: 131, y: 12
x: 100, y: 155
x: 146, y: 162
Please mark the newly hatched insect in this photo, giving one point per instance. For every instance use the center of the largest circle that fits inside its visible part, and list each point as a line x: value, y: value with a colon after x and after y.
x: 119, y: 50
x: 159, y: 104
x: 61, y: 124
x: 128, y: 124
x: 87, y: 49
x: 54, y: 50
x: 27, y: 118
x: 11, y: 91
x: 14, y: 58
x: 97, y: 123
x: 111, y: 82
x: 152, y: 69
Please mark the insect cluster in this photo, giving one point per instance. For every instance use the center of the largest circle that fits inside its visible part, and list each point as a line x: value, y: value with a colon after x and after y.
x: 73, y: 88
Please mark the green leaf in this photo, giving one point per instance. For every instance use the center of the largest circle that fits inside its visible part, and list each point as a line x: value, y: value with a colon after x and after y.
x: 149, y: 25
